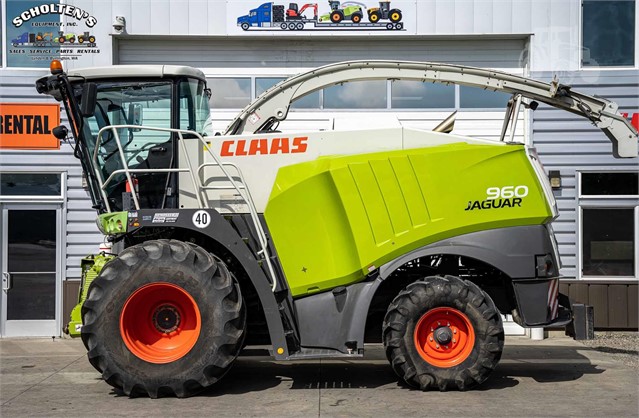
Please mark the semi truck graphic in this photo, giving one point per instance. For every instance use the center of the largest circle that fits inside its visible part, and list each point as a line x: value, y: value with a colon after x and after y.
x: 342, y: 15
x: 34, y: 39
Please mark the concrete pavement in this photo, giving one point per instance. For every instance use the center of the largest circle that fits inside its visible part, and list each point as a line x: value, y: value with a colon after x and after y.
x: 557, y: 377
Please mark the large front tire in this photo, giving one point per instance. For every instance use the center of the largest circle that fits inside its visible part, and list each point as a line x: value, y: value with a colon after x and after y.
x: 443, y: 333
x: 164, y: 318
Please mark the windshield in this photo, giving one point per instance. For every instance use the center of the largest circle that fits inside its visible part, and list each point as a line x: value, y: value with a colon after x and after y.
x: 142, y: 104
x: 128, y: 104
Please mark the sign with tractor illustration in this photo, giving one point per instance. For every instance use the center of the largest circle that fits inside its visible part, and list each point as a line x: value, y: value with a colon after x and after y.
x: 331, y: 15
x: 39, y: 31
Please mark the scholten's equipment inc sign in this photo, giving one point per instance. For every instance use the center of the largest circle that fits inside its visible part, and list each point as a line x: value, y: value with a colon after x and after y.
x: 39, y: 31
x: 55, y: 8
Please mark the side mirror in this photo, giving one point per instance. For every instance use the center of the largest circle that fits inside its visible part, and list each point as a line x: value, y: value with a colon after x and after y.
x: 135, y: 114
x: 89, y: 99
x: 60, y: 132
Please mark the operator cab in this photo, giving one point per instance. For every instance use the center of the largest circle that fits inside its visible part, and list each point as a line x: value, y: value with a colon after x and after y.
x: 120, y: 100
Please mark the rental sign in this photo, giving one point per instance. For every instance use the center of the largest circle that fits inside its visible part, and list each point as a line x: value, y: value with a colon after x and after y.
x: 29, y: 126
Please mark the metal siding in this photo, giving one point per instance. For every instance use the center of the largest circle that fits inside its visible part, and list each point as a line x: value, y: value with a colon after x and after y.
x: 273, y: 53
x: 483, y: 21
x: 141, y: 12
x: 598, y: 298
x: 70, y: 290
x: 633, y: 306
x: 445, y: 12
x: 502, y: 16
x: 618, y: 306
x: 158, y: 15
x: 82, y: 236
x: 615, y: 303
x: 568, y: 143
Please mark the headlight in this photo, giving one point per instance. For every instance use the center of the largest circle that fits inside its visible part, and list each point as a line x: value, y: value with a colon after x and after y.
x: 545, y: 266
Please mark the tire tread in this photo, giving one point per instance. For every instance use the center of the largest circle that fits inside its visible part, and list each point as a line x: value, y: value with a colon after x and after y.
x: 230, y: 341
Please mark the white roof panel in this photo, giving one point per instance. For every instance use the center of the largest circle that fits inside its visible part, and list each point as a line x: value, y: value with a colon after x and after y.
x: 129, y: 71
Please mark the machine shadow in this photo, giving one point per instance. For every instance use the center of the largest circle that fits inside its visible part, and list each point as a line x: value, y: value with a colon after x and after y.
x: 543, y: 364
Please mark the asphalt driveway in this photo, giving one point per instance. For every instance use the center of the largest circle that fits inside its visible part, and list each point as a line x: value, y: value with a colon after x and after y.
x: 557, y: 377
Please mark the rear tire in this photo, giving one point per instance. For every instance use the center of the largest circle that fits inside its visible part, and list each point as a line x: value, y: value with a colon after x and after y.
x: 165, y: 318
x: 443, y: 333
x: 395, y: 15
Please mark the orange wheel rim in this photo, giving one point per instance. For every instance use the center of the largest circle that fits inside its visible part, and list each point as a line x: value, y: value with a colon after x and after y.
x: 444, y: 337
x: 160, y: 323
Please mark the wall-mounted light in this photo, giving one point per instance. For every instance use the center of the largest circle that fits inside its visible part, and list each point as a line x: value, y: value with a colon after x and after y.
x: 119, y: 24
x: 555, y: 179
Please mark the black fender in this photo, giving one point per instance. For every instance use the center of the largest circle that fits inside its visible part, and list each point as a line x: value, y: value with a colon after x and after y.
x: 510, y: 250
x: 221, y: 231
x: 344, y: 311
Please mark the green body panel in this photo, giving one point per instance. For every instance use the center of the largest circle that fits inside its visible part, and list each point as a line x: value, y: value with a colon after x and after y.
x: 91, y: 267
x: 336, y: 218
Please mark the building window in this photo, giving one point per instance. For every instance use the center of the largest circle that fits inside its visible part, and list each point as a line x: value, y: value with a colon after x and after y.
x: 237, y: 92
x: 264, y: 83
x: 609, y: 207
x: 30, y: 184
x: 608, y: 242
x: 608, y: 33
x: 609, y: 184
x: 310, y: 101
x: 356, y: 95
x: 230, y: 93
x: 476, y: 98
x: 406, y: 94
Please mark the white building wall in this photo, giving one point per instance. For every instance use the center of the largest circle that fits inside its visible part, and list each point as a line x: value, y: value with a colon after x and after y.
x: 553, y: 25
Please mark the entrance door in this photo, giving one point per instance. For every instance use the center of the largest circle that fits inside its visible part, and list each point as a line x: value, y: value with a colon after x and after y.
x: 30, y: 270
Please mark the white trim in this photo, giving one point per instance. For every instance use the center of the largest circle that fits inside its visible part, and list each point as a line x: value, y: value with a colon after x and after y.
x: 34, y: 327
x: 616, y: 279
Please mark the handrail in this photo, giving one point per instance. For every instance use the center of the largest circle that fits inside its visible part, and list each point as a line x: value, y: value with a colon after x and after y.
x: 241, y: 188
x: 261, y: 234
